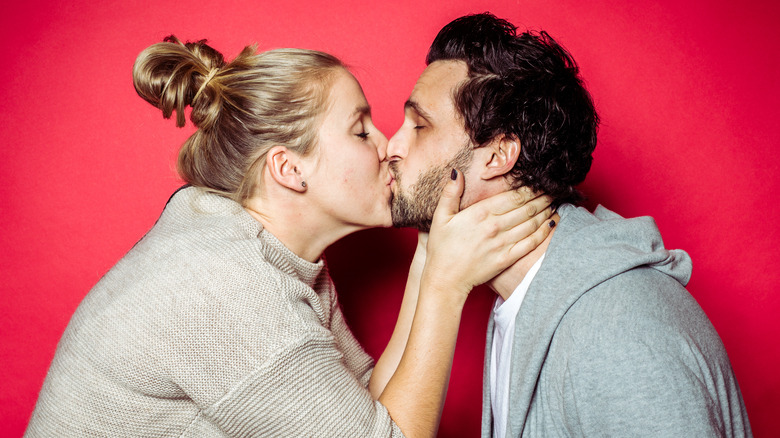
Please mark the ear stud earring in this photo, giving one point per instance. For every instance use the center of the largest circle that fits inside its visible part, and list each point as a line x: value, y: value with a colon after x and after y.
x: 303, y: 183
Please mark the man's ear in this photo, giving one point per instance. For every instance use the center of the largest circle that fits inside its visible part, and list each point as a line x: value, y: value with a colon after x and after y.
x: 500, y: 156
x: 284, y: 166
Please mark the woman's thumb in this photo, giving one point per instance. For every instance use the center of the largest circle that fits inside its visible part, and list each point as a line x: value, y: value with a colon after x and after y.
x: 449, y: 203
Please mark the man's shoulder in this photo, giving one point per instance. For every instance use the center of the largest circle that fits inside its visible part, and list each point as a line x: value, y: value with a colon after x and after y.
x: 643, y: 350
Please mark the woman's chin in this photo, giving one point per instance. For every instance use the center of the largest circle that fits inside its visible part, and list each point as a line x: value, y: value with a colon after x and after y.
x: 384, y: 222
x: 388, y: 220
x: 376, y: 218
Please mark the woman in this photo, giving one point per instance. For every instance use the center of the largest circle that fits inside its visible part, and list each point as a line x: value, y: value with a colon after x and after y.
x: 222, y: 320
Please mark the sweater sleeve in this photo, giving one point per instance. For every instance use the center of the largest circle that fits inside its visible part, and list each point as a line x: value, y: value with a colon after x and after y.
x: 356, y: 359
x: 303, y: 390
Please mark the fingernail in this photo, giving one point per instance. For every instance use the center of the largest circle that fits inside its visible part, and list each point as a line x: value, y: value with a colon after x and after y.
x: 454, y: 174
x: 552, y: 223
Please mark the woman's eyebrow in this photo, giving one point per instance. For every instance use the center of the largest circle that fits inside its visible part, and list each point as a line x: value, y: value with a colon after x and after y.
x: 363, y: 110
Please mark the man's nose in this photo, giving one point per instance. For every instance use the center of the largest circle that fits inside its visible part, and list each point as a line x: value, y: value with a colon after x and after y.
x: 396, y: 147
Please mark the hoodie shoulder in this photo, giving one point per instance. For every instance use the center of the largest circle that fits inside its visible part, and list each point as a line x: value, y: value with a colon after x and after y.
x: 640, y: 349
x: 603, y: 244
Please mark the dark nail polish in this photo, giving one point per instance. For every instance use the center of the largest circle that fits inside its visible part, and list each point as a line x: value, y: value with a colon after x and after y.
x: 552, y: 223
x: 454, y: 174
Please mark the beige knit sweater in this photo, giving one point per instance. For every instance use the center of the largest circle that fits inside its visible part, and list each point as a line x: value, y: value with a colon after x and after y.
x: 209, y: 326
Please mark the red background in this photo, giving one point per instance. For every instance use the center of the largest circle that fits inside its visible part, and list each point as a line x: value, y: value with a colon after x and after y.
x: 688, y: 94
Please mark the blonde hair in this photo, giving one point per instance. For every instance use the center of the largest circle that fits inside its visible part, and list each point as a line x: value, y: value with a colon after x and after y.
x: 241, y: 108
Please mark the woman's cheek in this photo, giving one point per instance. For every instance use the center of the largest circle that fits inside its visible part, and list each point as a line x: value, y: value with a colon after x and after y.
x: 346, y: 175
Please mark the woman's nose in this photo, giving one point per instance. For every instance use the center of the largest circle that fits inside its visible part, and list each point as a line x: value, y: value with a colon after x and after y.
x: 381, y: 145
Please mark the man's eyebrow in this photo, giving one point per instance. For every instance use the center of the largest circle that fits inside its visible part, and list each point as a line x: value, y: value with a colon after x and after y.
x: 410, y: 104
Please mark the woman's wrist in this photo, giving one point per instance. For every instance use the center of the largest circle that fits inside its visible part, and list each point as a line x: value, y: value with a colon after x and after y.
x: 422, y: 240
x: 443, y: 289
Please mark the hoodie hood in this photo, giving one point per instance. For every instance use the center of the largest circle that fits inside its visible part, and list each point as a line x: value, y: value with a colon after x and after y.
x: 601, y: 245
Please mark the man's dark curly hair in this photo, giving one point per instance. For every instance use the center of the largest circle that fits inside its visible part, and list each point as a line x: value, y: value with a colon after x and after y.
x: 528, y: 88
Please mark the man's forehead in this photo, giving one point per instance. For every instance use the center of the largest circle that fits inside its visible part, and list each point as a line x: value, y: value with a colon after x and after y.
x: 434, y: 89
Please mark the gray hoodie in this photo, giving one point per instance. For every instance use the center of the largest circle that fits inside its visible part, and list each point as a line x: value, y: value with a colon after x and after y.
x: 609, y: 343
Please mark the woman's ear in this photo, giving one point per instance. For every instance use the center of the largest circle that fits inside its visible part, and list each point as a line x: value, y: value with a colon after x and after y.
x: 284, y: 167
x: 502, y: 154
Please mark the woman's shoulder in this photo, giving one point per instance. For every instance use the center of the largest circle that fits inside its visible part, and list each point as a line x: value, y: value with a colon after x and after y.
x: 202, y: 263
x: 194, y: 213
x: 196, y: 231
x: 176, y: 295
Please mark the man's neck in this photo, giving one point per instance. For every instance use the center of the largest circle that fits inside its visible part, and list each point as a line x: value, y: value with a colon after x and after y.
x: 506, y: 282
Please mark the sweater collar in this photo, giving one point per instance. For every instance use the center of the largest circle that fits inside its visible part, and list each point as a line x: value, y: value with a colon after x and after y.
x: 191, y: 204
x: 286, y: 260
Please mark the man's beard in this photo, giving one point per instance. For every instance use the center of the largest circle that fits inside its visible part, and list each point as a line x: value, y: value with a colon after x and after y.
x: 415, y: 209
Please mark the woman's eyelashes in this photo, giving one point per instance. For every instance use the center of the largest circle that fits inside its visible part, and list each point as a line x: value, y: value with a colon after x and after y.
x: 362, y: 131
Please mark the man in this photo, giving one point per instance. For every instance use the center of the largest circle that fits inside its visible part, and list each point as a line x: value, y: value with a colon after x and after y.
x: 592, y: 333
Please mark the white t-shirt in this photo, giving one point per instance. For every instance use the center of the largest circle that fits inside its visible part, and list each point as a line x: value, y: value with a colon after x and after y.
x: 504, y: 315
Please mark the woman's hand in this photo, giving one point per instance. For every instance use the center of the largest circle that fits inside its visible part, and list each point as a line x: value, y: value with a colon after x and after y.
x: 464, y: 249
x: 470, y: 247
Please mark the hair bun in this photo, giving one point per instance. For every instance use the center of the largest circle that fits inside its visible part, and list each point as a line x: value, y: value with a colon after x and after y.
x: 171, y: 75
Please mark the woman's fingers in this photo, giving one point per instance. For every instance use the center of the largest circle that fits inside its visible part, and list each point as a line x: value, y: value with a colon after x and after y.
x: 520, y: 229
x: 540, y: 227
x: 506, y: 201
x: 512, y: 244
x: 449, y: 202
x: 528, y: 213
